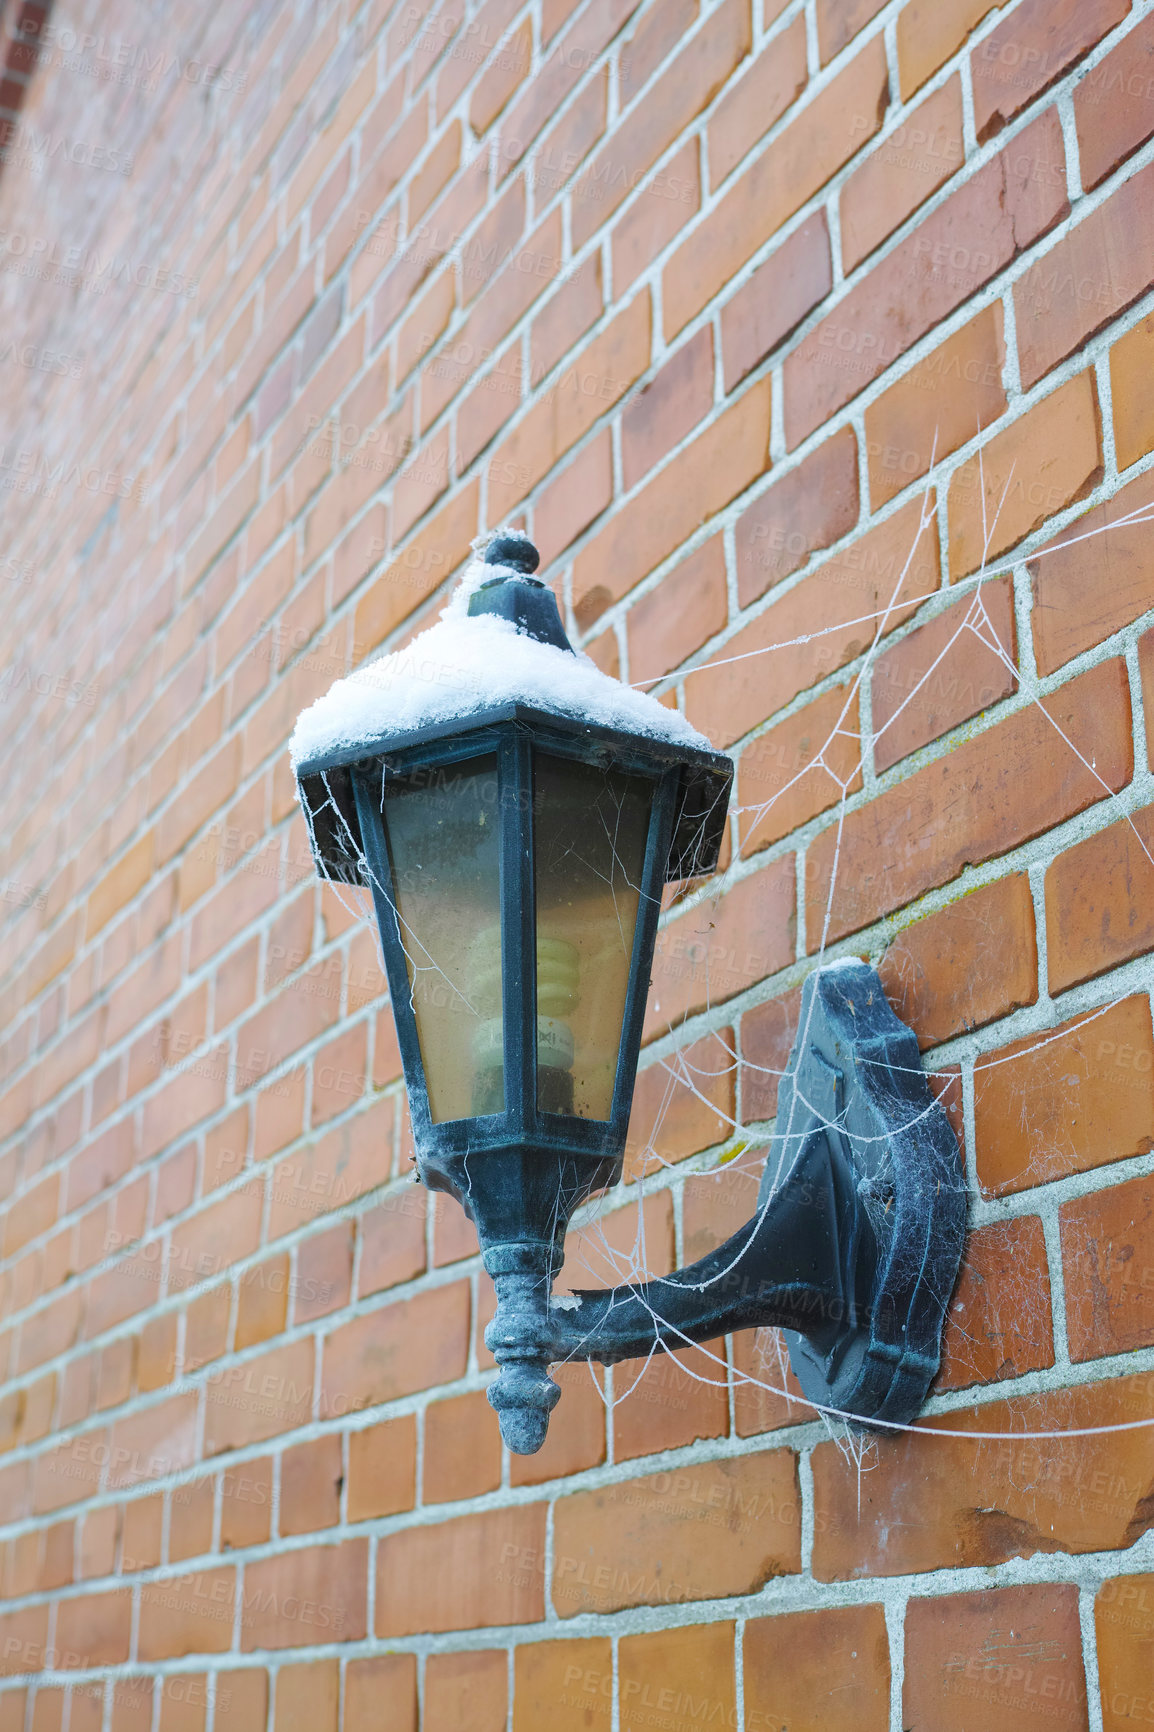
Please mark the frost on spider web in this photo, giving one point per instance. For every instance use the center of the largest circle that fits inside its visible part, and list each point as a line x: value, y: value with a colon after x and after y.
x: 489, y: 661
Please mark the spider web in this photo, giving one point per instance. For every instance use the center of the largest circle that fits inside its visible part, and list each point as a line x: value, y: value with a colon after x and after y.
x: 596, y: 1254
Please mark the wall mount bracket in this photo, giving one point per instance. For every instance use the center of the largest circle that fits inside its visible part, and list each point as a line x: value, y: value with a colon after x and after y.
x: 853, y: 1251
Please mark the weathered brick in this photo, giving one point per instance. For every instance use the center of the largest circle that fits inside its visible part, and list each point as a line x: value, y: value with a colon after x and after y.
x: 755, y: 101
x: 811, y: 507
x: 94, y: 1629
x: 1086, y: 589
x: 1001, y: 787
x: 1108, y: 1260
x: 467, y: 1692
x: 776, y: 298
x: 1097, y: 906
x: 874, y: 584
x: 466, y: 1574
x: 1086, y: 279
x: 823, y: 136
x: 673, y: 1400
x: 667, y: 626
x: 382, y: 1469
x: 967, y: 964
x: 1066, y: 1100
x: 945, y: 672
x: 500, y: 79
x: 390, y: 1678
x: 386, y: 1353
x: 686, y: 1667
x: 1113, y: 110
x: 961, y: 245
x: 1023, y: 56
x: 1130, y: 361
x: 1044, y: 461
x: 669, y: 199
x: 676, y: 399
x: 392, y: 1240
x: 308, y: 1697
x: 721, y: 947
x: 901, y: 173
x: 685, y: 87
x: 942, y: 1502
x: 311, y: 1477
x: 951, y: 396
x: 827, y: 1670
x: 241, y: 1699
x: 798, y: 769
x: 643, y: 1541
x: 578, y: 1675
x: 462, y: 1449
x: 1124, y: 1626
x: 246, y: 1504
x: 998, y: 1323
x: 722, y: 461
x: 187, y: 1614
x: 1009, y: 1655
x: 929, y: 32
x: 579, y: 1442
x: 682, y: 1107
x: 261, y: 1397
x: 839, y: 21
x: 290, y: 1598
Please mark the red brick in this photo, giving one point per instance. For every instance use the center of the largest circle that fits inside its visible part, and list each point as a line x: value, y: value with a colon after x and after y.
x: 682, y: 1105
x: 428, y: 559
x: 393, y: 1240
x: 587, y: 387
x: 454, y: 1235
x: 1091, y: 275
x: 764, y: 1384
x: 1041, y: 463
x: 944, y: 1502
x: 1066, y: 1100
x: 382, y: 1469
x: 497, y: 83
x: 246, y: 1504
x: 998, y: 1324
x: 324, y: 1273
x: 467, y: 1692
x: 394, y: 1351
x: 776, y: 298
x: 572, y: 500
x: 390, y: 1678
x: 826, y: 1671
x: 909, y: 165
x: 644, y: 1540
x: 945, y: 672
x: 929, y: 32
x: 259, y: 1397
x: 311, y: 1476
x: 578, y: 1442
x: 94, y: 1630
x: 810, y: 508
x: 462, y: 1448
x: 565, y: 317
x: 812, y: 148
x: 1124, y: 1626
x: 651, y: 41
x: 1085, y: 590
x: 565, y: 1685
x: 1022, y: 57
x: 686, y: 87
x: 877, y: 582
x: 675, y: 400
x: 950, y: 397
x: 1108, y: 1258
x: 308, y: 1697
x: 669, y: 625
x: 723, y: 946
x: 465, y: 1574
x: 757, y: 100
x: 290, y: 1597
x: 262, y: 1301
x: 187, y: 1614
x: 1014, y: 781
x: 666, y: 203
x: 1130, y: 361
x: 687, y: 1666
x: 1098, y: 911
x: 671, y: 1400
x: 962, y: 244
x: 190, y: 1520
x: 1012, y: 1656
x: 132, y: 1705
x: 603, y: 1252
x: 967, y: 964
x: 332, y: 1172
x: 700, y: 481
x: 839, y: 21
x: 1112, y: 107
x: 798, y: 769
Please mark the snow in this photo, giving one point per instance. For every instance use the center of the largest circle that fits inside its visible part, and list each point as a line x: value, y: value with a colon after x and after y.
x: 463, y: 665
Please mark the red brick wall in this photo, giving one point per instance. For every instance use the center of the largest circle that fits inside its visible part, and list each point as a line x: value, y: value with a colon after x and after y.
x: 720, y: 303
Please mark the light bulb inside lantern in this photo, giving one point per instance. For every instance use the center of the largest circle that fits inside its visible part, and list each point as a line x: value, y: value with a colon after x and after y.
x: 558, y: 994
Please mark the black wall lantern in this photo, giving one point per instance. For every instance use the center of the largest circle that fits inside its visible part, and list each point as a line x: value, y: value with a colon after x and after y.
x: 516, y: 852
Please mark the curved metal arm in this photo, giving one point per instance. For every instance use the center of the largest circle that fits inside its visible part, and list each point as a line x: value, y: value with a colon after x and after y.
x: 854, y: 1249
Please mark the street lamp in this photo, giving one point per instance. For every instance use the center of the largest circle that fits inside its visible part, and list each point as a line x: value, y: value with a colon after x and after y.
x: 516, y: 815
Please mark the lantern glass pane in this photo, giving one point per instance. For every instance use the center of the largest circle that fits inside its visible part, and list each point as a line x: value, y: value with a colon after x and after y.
x: 590, y: 827
x: 443, y: 830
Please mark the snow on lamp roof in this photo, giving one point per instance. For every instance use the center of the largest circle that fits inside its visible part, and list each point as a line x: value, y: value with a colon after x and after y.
x: 469, y: 663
